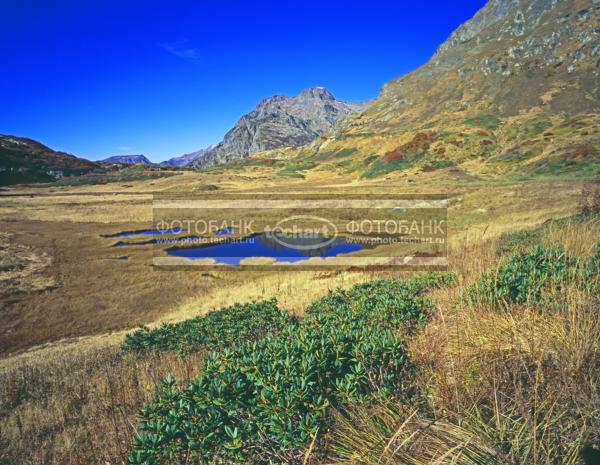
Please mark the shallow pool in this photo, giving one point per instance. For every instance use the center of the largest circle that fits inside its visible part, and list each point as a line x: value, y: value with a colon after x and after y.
x: 281, y: 248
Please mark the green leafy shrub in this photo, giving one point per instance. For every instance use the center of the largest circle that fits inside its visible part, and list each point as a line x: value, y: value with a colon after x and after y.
x: 438, y: 164
x: 489, y: 122
x: 519, y: 240
x: 222, y: 328
x: 266, y: 400
x: 594, y: 265
x: 381, y: 167
x: 530, y: 276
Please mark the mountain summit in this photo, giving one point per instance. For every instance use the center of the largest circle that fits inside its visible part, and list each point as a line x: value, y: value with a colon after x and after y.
x: 280, y: 121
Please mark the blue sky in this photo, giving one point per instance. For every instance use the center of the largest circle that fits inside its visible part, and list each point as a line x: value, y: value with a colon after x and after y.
x: 162, y: 78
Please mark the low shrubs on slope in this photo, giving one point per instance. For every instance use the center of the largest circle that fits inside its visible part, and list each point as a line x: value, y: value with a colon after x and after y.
x: 268, y: 399
x: 533, y: 276
x: 222, y: 328
x: 501, y: 384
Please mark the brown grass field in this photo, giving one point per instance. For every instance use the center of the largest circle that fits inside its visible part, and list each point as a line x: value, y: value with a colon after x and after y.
x: 66, y: 303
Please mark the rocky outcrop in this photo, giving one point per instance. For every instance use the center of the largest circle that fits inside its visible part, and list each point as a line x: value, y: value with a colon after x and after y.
x: 491, y: 13
x: 280, y: 121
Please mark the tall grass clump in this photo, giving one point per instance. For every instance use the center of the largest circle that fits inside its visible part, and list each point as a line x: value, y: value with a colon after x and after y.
x: 589, y: 204
x: 79, y: 407
x: 509, y: 383
x: 222, y: 328
x: 392, y: 433
x: 268, y: 399
x: 508, y: 375
x: 534, y: 276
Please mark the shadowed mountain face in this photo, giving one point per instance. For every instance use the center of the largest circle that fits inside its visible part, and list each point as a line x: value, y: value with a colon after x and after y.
x: 25, y: 160
x: 280, y: 121
x: 127, y: 159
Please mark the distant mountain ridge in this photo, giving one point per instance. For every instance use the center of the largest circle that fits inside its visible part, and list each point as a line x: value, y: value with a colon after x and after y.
x: 280, y: 121
x: 186, y: 159
x: 127, y: 159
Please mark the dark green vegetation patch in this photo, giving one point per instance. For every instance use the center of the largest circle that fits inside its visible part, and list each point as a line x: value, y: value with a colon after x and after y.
x: 533, y: 276
x: 381, y: 167
x: 268, y: 399
x: 489, y: 122
x: 223, y: 328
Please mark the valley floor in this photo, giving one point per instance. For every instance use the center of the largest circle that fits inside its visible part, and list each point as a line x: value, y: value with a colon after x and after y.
x: 89, y: 292
x: 67, y: 300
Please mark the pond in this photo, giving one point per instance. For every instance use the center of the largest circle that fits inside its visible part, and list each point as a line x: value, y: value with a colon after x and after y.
x: 280, y: 247
x: 146, y: 232
x: 224, y: 232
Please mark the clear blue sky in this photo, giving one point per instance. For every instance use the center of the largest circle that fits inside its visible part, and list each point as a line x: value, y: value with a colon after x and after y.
x: 104, y: 77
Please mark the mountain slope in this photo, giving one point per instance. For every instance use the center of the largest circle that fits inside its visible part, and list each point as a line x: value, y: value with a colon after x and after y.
x: 280, y: 121
x: 186, y: 159
x: 516, y: 88
x: 24, y: 160
x: 127, y: 159
x: 512, y: 56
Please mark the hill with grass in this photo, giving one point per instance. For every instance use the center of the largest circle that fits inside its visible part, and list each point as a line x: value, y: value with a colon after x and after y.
x: 25, y: 160
x: 105, y: 359
x: 512, y: 91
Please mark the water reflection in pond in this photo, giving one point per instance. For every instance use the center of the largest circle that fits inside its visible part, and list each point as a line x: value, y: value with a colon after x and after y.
x: 281, y: 248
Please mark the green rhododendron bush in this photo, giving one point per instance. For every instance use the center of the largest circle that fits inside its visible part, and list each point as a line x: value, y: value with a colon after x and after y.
x: 222, y: 328
x: 270, y: 398
x: 534, y: 277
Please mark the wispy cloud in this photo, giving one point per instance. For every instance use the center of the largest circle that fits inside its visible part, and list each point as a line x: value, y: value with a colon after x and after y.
x: 124, y: 149
x: 181, y: 49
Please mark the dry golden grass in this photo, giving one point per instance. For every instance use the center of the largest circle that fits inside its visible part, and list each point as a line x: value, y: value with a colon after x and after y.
x: 93, y: 293
x: 21, y: 268
x: 293, y: 290
x: 68, y: 399
x: 510, y: 386
x: 80, y: 409
x: 579, y: 238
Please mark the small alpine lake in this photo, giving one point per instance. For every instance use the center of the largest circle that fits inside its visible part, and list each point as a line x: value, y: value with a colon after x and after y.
x: 281, y: 247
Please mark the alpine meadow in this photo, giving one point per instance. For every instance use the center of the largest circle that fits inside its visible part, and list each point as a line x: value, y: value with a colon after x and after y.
x: 407, y: 277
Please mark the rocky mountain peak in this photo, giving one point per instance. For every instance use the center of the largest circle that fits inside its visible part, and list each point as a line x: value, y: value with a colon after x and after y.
x: 185, y: 159
x: 317, y: 93
x: 280, y: 121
